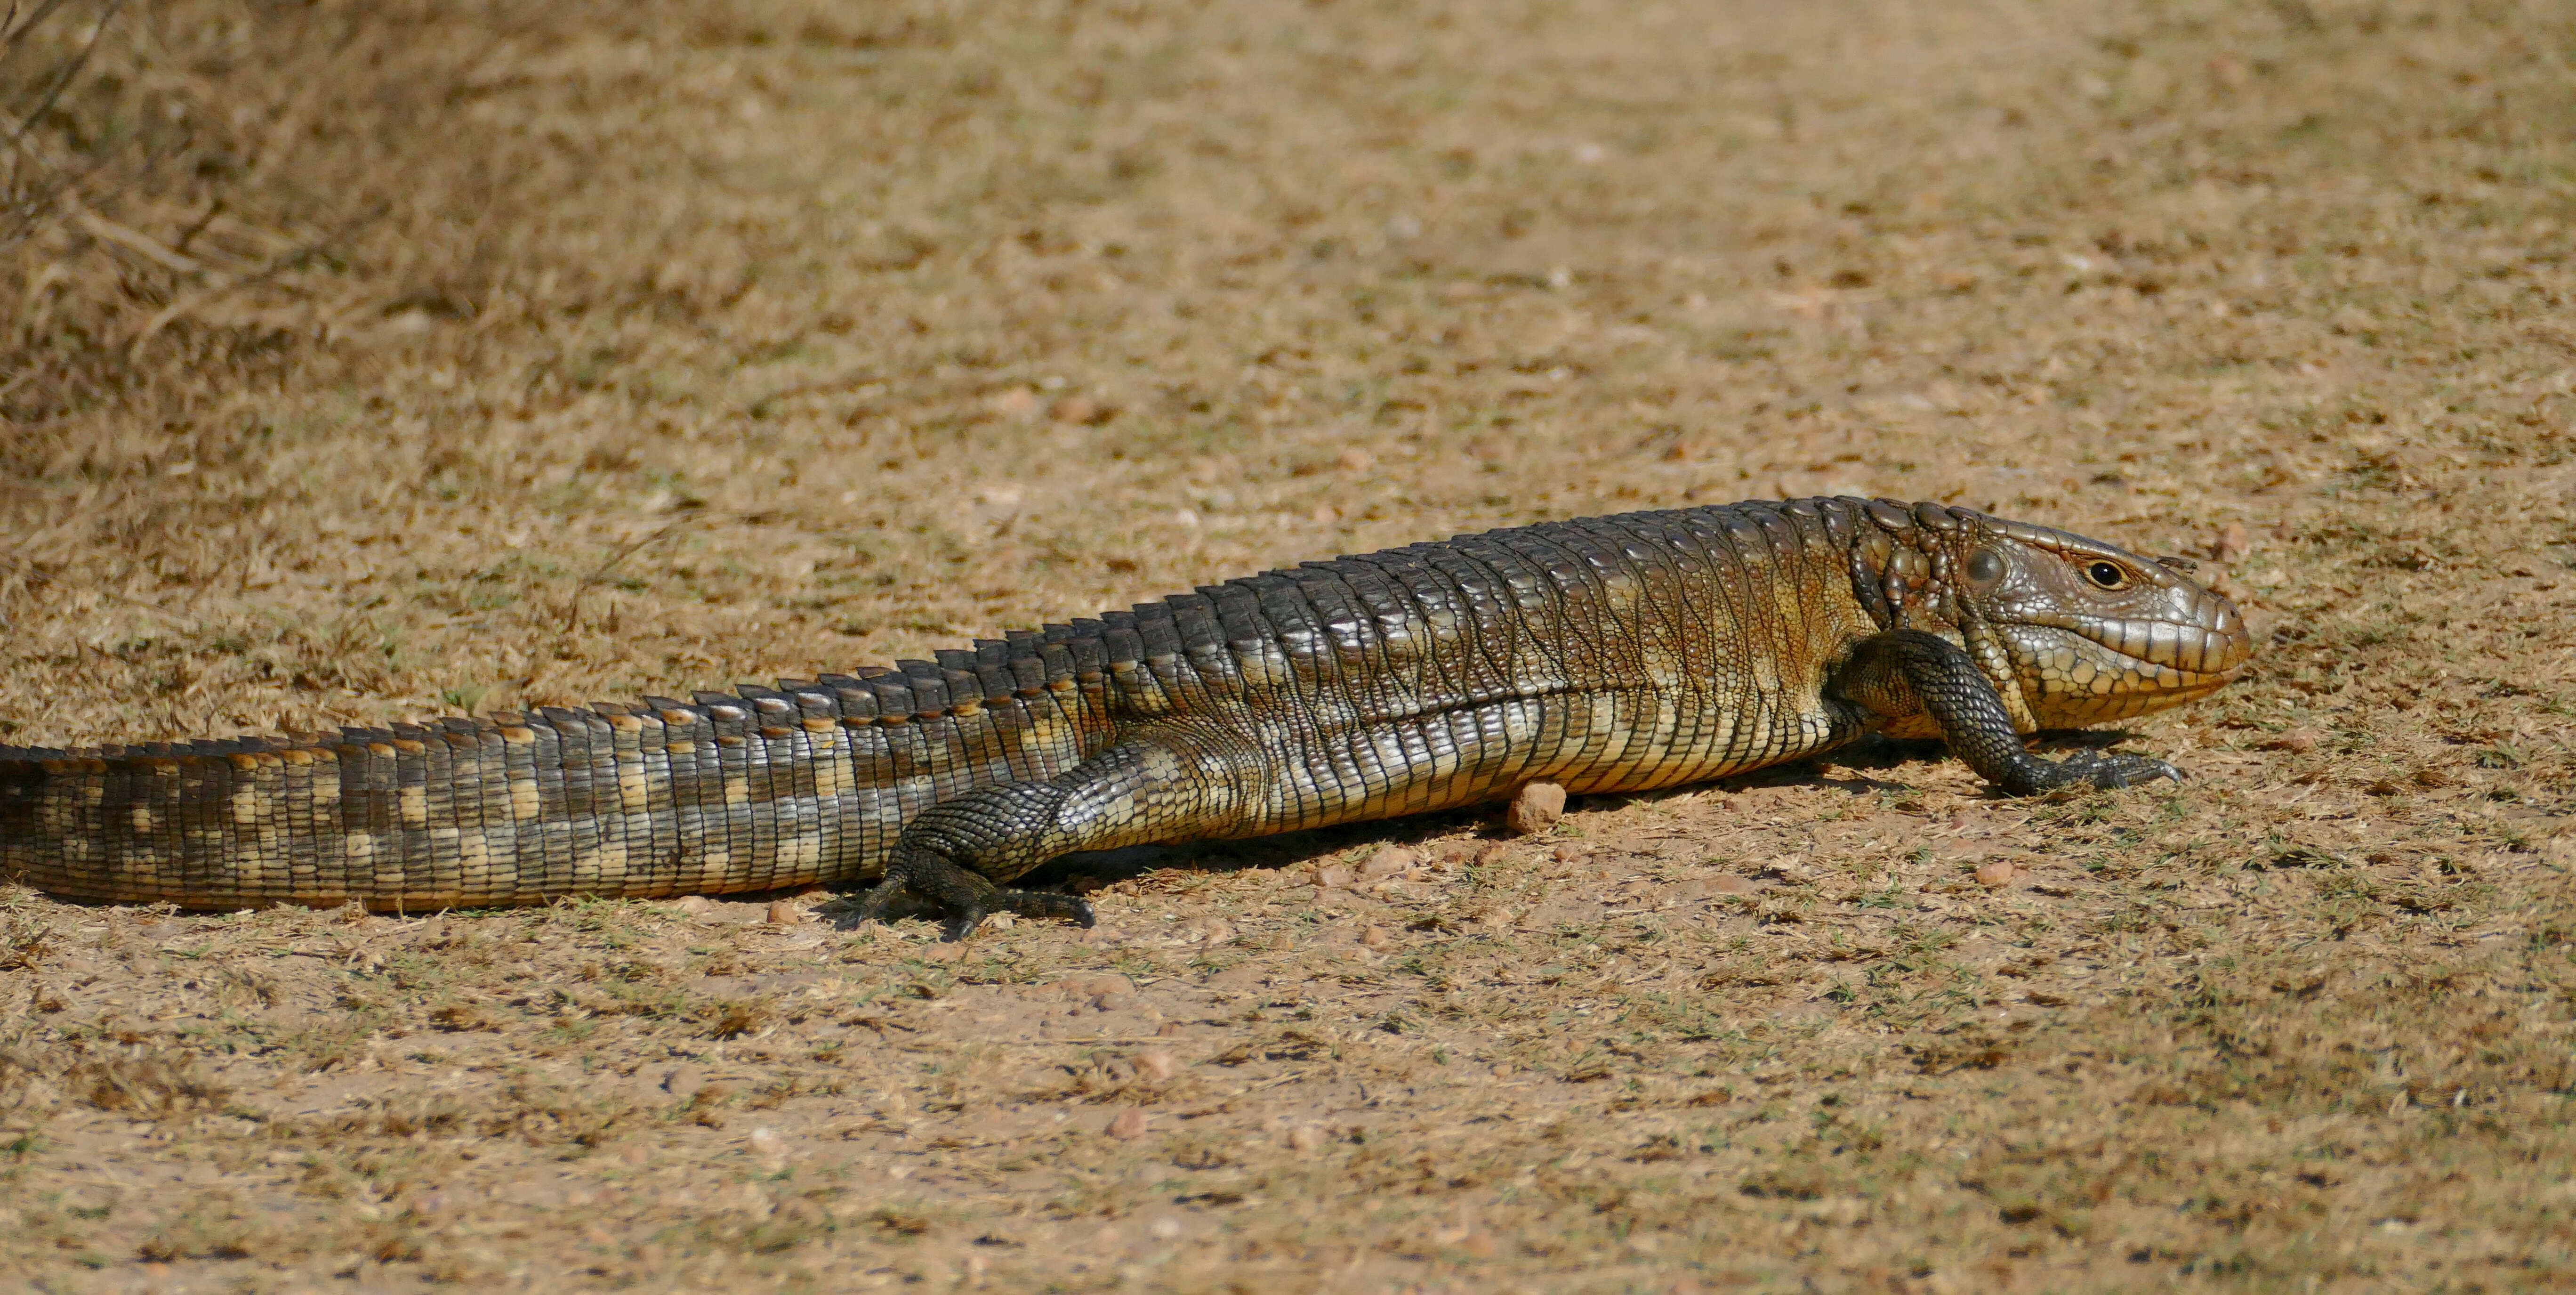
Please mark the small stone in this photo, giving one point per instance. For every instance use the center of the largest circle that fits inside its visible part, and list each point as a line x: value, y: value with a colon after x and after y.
x: 1130, y: 1124
x: 1995, y: 872
x: 1077, y: 409
x: 1727, y: 883
x: 1157, y: 1065
x: 1479, y: 1245
x: 683, y: 1082
x: 1165, y: 1228
x: 1332, y: 876
x: 1018, y: 404
x: 1535, y: 809
x: 1306, y: 1137
x: 1375, y: 937
x: 785, y: 913
x: 767, y: 1146
x: 2297, y: 741
x: 1568, y: 853
x: 1355, y: 459
x: 695, y: 905
x: 2232, y: 543
x: 1389, y: 861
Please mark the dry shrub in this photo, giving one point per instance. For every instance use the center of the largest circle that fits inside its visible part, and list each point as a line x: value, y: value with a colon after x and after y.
x: 546, y: 1116
x: 25, y: 1096
x: 148, y: 1082
x: 400, y: 1115
x: 26, y: 940
x: 208, y: 1230
x: 212, y: 195
x: 733, y: 1018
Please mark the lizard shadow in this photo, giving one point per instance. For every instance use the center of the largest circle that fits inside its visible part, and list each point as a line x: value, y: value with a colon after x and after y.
x: 1855, y: 770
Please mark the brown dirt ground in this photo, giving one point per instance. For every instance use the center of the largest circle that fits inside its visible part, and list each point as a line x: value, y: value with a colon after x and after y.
x: 397, y: 358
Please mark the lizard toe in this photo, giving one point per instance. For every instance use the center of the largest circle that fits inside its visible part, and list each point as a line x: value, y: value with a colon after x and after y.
x: 929, y: 885
x: 962, y: 923
x: 1046, y: 903
x: 2115, y: 770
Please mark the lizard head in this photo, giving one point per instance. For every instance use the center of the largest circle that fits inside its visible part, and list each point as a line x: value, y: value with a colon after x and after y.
x: 2073, y: 631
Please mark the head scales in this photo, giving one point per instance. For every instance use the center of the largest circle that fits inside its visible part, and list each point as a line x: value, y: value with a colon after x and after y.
x: 2069, y: 629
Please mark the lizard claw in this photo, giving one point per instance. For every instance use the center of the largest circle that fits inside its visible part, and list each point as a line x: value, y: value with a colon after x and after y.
x: 2111, y: 770
x: 929, y: 884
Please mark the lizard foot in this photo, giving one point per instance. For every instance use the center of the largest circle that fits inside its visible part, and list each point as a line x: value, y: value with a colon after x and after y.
x: 2103, y: 769
x: 927, y: 883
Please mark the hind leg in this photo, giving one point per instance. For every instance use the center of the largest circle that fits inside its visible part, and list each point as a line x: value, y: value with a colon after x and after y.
x: 955, y: 858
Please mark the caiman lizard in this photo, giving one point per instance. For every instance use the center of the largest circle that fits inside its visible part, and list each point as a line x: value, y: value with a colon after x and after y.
x: 1605, y: 654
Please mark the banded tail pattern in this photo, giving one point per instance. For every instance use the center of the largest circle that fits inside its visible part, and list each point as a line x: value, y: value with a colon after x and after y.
x: 751, y: 790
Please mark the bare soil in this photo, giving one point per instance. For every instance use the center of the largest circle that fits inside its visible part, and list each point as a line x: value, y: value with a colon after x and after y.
x: 388, y: 360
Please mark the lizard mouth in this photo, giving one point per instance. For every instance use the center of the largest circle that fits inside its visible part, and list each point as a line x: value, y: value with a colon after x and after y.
x: 2205, y: 647
x: 2183, y: 653
x: 2099, y: 668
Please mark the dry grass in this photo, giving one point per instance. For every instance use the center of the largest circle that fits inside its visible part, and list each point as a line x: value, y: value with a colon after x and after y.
x: 541, y: 352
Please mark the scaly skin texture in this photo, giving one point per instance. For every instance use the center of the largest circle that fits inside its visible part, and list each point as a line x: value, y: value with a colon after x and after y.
x: 1606, y: 654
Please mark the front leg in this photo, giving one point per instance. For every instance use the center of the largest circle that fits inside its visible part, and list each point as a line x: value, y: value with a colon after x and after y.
x: 1904, y: 672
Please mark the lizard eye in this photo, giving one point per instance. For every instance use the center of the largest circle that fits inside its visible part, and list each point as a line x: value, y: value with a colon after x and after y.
x: 2106, y: 575
x: 1984, y: 568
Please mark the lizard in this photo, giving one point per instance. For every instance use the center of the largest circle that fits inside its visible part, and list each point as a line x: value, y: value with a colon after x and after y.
x: 1607, y: 654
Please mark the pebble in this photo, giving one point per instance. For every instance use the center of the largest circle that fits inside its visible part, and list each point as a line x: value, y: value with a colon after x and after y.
x: 2232, y: 543
x: 1728, y: 883
x: 694, y: 905
x: 1129, y: 1124
x: 683, y: 1082
x: 1375, y: 937
x: 1157, y: 1065
x: 1332, y: 876
x: 1018, y: 403
x: 1306, y: 1137
x: 784, y: 913
x: 1536, y: 809
x: 1995, y: 872
x: 2297, y: 741
x: 1389, y: 861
